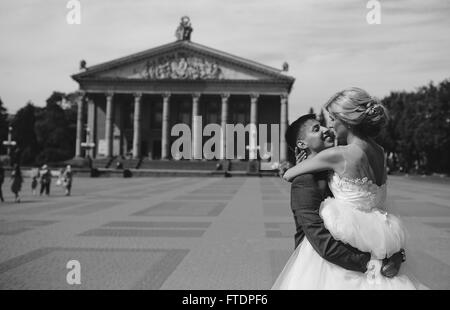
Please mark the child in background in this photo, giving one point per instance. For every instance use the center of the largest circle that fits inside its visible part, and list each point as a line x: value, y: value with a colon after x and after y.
x: 34, y: 183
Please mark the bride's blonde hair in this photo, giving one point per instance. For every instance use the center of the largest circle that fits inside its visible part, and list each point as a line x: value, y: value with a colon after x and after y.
x: 355, y: 107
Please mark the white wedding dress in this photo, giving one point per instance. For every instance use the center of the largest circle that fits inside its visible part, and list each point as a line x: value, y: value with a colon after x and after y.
x: 356, y: 216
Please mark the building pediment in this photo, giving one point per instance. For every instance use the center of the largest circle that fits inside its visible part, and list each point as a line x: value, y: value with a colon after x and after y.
x: 183, y: 60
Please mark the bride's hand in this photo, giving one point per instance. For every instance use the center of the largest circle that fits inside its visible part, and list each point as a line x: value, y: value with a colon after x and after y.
x: 288, y: 175
x: 283, y: 167
x: 300, y: 155
x: 373, y: 272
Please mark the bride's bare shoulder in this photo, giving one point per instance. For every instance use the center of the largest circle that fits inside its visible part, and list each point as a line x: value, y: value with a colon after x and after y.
x: 333, y: 154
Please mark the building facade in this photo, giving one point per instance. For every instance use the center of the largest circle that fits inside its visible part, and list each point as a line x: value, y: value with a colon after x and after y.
x: 128, y: 106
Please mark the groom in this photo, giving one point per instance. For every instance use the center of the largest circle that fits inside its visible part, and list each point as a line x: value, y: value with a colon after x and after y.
x: 307, y: 136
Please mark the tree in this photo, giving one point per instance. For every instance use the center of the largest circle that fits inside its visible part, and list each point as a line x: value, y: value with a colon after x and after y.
x: 3, y: 126
x: 45, y: 135
x: 54, y: 131
x: 418, y: 131
x: 56, y: 98
x: 24, y: 134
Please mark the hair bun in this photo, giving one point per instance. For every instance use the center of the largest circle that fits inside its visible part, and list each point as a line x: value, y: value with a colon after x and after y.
x: 376, y: 117
x: 374, y: 107
x: 354, y: 106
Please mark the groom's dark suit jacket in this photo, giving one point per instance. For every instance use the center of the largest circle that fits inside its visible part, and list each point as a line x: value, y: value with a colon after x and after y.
x: 307, y: 193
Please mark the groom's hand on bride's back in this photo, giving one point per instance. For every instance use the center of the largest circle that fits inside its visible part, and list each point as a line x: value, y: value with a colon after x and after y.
x: 391, y: 265
x: 283, y: 167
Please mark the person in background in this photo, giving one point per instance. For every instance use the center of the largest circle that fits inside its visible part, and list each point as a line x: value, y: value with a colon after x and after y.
x: 17, y: 179
x: 67, y: 179
x: 46, y: 178
x: 2, y: 179
x: 60, y: 180
x: 119, y: 165
x: 34, y: 181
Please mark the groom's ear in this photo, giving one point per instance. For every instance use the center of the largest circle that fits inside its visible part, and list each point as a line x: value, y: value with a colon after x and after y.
x: 301, y: 144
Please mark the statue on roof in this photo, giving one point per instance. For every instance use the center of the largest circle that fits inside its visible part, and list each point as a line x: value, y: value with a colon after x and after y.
x: 83, y: 64
x: 184, y: 30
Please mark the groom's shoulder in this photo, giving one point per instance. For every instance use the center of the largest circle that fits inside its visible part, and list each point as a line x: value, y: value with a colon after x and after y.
x: 308, y: 178
x: 311, y: 178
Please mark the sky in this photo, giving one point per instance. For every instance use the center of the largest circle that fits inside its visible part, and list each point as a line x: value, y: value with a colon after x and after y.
x: 328, y: 44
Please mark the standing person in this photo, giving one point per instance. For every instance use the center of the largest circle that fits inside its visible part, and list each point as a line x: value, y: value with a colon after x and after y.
x: 17, y: 179
x: 60, y: 180
x: 46, y: 178
x: 34, y: 181
x: 2, y: 179
x: 67, y: 179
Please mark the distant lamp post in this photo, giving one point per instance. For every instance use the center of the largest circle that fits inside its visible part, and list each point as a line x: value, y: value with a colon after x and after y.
x: 88, y: 145
x: 10, y: 143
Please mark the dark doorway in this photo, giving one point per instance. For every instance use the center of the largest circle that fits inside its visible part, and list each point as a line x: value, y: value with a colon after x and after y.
x: 156, y: 150
x: 144, y: 148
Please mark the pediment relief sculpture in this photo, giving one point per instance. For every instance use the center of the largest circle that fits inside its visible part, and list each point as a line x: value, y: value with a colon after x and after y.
x: 181, y: 66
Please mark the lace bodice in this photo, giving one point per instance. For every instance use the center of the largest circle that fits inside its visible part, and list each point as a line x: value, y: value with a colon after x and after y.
x: 357, y: 214
x: 362, y: 192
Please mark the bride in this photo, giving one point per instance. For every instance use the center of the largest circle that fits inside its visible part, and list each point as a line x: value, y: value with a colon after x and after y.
x: 357, y: 214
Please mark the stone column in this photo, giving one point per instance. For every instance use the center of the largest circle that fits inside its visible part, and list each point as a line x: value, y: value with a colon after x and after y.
x: 108, y: 124
x: 80, y: 104
x: 137, y: 126
x: 253, y: 133
x: 223, y: 123
x: 165, y: 139
x: 283, y: 126
x: 196, y: 139
x: 92, y: 125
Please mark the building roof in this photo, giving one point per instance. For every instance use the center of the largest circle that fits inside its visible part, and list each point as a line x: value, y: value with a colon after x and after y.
x: 145, y: 65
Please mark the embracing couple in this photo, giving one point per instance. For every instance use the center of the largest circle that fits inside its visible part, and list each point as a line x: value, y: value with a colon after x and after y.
x: 346, y: 239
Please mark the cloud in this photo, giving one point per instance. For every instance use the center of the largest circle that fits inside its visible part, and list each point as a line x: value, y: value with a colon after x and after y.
x: 327, y: 43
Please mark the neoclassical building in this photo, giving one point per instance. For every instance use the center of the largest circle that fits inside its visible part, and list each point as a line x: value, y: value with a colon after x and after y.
x: 128, y: 106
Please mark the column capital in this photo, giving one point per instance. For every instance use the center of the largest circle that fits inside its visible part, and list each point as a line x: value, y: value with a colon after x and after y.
x: 284, y: 96
x: 225, y: 96
x: 89, y: 97
x: 254, y: 96
x: 166, y: 95
x: 137, y: 95
x: 81, y: 93
x: 196, y: 96
x: 109, y: 94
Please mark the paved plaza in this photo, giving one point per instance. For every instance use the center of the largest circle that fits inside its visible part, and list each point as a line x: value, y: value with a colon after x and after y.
x: 187, y: 233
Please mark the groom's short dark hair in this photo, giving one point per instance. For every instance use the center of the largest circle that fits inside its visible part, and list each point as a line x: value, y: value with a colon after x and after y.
x: 295, y: 129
